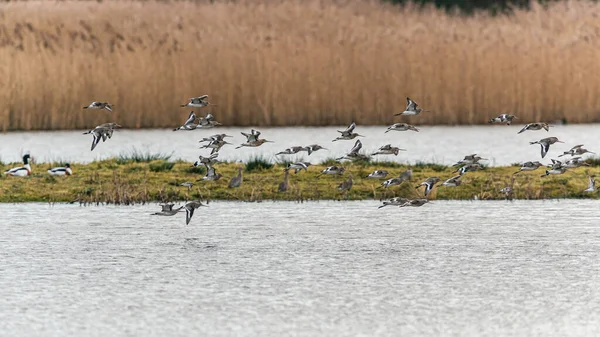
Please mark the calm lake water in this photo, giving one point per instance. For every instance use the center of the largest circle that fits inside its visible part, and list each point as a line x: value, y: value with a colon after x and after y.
x: 433, y: 144
x: 520, y: 268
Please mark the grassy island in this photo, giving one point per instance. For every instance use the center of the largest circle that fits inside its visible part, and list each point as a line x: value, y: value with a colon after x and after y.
x: 139, y: 180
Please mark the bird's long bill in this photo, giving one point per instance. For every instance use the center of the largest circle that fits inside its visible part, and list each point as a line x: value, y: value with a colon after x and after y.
x: 558, y: 141
x: 360, y: 136
x: 269, y: 141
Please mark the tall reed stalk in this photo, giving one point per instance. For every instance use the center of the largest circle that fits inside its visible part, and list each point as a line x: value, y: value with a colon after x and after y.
x: 312, y: 62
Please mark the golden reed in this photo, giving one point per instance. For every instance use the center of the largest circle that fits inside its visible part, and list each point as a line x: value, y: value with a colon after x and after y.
x: 314, y: 62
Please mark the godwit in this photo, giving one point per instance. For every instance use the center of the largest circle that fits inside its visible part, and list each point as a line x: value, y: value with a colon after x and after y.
x: 394, y: 202
x: 453, y: 182
x: 252, y: 139
x: 299, y: 166
x: 591, y: 184
x: 190, y: 207
x: 353, y: 154
x: 401, y: 127
x: 415, y: 203
x: 557, y: 168
x: 255, y: 143
x: 348, y: 134
x: 314, y: 147
x: 529, y: 166
x: 469, y: 159
x: 429, y: 183
x: 406, y: 175
x: 23, y: 171
x: 217, y: 137
x: 332, y: 170
x: 237, y: 180
x: 545, y: 144
x: 283, y: 186
x: 507, y: 192
x: 469, y: 168
x: 207, y: 122
x: 109, y: 128
x: 215, y: 145
x: 503, y: 118
x: 535, y: 126
x: 293, y: 150
x: 211, y: 174
x: 187, y: 184
x: 167, y: 210
x: 388, y: 149
x: 576, y: 150
x: 99, y: 105
x: 575, y: 163
x: 189, y: 123
x: 392, y: 182
x: 411, y: 109
x: 345, y: 186
x: 61, y: 171
x: 198, y: 102
x: 378, y: 174
x: 252, y: 136
x: 103, y: 132
x: 210, y: 160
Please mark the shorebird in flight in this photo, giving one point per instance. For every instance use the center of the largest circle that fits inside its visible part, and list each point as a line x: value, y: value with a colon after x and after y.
x: 198, y: 102
x: 469, y: 159
x: 207, y: 122
x: 190, y: 207
x: 211, y: 174
x: 293, y: 150
x: 415, y: 203
x: 394, y: 202
x: 378, y: 174
x: 535, y: 126
x: 299, y: 166
x: 429, y: 183
x: 591, y: 184
x: 388, y: 149
x: 167, y: 210
x: 503, y: 118
x: 401, y: 127
x: 252, y: 139
x: 576, y: 150
x: 99, y: 105
x: 353, y: 154
x: 529, y: 166
x: 348, y: 134
x: 411, y: 109
x: 314, y: 147
x: 453, y: 182
x: 189, y: 123
x: 545, y: 144
x: 332, y: 170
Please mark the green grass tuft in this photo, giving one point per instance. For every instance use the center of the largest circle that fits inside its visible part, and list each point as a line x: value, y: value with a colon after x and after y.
x: 138, y: 156
x: 161, y: 166
x: 257, y: 163
x: 430, y: 166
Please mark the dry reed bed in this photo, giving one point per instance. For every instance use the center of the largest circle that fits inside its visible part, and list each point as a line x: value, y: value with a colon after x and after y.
x: 293, y: 62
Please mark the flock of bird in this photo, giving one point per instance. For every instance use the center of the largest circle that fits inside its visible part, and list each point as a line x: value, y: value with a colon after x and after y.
x: 215, y: 142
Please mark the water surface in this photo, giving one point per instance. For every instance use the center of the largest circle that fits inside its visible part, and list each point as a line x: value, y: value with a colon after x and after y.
x: 433, y: 144
x: 523, y: 268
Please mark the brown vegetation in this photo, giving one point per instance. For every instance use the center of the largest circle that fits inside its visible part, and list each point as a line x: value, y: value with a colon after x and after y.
x: 292, y: 62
